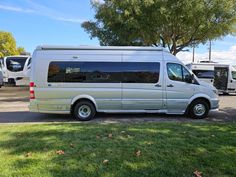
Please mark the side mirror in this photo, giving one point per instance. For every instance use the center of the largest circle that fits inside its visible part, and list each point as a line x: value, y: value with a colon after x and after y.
x: 189, y: 78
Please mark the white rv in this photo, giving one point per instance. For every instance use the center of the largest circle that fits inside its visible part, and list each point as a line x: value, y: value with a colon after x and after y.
x: 14, y: 70
x: 222, y: 76
x: 84, y: 80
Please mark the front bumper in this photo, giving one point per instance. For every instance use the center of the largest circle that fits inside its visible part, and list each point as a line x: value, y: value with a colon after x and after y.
x: 215, y: 103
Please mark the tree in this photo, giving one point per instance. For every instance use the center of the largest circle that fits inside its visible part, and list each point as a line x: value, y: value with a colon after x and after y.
x: 8, y: 45
x: 174, y: 24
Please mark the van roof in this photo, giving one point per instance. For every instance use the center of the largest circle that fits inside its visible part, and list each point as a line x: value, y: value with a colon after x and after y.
x: 55, y: 47
x: 17, y: 56
x: 210, y: 64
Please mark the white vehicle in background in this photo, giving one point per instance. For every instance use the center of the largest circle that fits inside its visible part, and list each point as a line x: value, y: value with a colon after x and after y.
x: 222, y: 76
x: 203, y: 71
x: 1, y: 79
x: 14, y: 70
x: 1, y: 76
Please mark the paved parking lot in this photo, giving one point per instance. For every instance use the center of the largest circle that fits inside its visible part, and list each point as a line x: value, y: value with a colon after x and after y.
x: 14, y: 109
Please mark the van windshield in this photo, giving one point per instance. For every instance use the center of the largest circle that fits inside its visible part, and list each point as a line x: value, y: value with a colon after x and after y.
x: 15, y: 64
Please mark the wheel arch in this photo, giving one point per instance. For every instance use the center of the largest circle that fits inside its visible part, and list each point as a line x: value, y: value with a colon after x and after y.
x: 199, y: 97
x: 79, y: 98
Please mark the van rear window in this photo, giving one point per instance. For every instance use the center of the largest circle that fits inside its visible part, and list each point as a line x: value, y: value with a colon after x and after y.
x: 206, y: 74
x: 15, y: 64
x: 104, y: 72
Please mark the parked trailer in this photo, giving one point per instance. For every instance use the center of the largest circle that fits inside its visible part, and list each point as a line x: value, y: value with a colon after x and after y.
x: 84, y: 80
x: 222, y: 76
x: 14, y: 69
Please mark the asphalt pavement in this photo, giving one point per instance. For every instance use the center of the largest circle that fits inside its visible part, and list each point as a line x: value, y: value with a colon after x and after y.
x: 14, y: 103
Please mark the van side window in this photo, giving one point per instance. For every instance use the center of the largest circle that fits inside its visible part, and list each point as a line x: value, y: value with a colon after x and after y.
x: 104, y: 72
x: 177, y: 72
x: 138, y: 72
x: 56, y: 72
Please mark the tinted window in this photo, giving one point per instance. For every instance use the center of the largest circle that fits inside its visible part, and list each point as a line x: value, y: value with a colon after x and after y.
x: 177, y: 72
x: 208, y: 74
x: 141, y: 72
x: 29, y: 62
x: 15, y: 63
x: 234, y: 72
x: 103, y: 72
x: 234, y: 75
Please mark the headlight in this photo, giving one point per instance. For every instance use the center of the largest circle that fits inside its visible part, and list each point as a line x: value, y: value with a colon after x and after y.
x: 215, y: 91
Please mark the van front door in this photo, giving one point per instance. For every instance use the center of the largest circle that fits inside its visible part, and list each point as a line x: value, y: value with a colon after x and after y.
x: 178, y: 90
x: 142, y: 88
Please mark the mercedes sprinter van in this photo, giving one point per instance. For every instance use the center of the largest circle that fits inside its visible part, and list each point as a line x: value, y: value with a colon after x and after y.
x: 84, y: 80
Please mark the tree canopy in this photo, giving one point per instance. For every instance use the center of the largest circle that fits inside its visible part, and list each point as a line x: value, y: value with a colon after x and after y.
x: 8, y: 45
x: 174, y: 24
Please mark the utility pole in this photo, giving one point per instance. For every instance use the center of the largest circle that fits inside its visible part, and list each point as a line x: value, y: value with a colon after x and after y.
x: 209, y: 50
x: 193, y: 54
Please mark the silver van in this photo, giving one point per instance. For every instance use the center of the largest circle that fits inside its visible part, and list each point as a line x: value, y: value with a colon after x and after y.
x: 84, y: 80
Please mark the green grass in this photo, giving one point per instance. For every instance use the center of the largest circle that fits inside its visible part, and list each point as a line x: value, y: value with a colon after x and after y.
x: 167, y: 149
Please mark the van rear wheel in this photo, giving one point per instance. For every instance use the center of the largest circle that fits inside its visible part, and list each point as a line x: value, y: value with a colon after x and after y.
x: 198, y: 109
x: 84, y: 111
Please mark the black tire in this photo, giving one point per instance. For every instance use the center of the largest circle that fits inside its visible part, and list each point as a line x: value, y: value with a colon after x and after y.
x: 84, y: 111
x: 198, y: 109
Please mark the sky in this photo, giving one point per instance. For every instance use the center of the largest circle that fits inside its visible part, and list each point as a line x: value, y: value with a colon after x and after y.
x: 58, y: 22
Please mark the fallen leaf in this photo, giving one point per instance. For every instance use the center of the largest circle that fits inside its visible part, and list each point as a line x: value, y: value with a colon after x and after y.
x: 105, y: 161
x: 197, y: 173
x: 72, y: 145
x: 60, y: 152
x: 109, y: 135
x: 138, y: 153
x: 28, y: 154
x: 150, y: 143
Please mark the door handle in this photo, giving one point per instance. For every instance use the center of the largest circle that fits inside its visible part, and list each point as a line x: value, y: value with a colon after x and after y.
x: 157, y: 85
x: 170, y: 85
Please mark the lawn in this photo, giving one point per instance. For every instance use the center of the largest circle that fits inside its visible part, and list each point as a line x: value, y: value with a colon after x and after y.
x: 143, y: 149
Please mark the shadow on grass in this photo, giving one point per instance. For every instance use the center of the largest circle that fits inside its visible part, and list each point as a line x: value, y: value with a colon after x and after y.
x: 167, y: 149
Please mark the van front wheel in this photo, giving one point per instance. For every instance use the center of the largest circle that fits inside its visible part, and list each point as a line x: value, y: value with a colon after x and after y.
x: 84, y: 111
x: 199, y: 109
